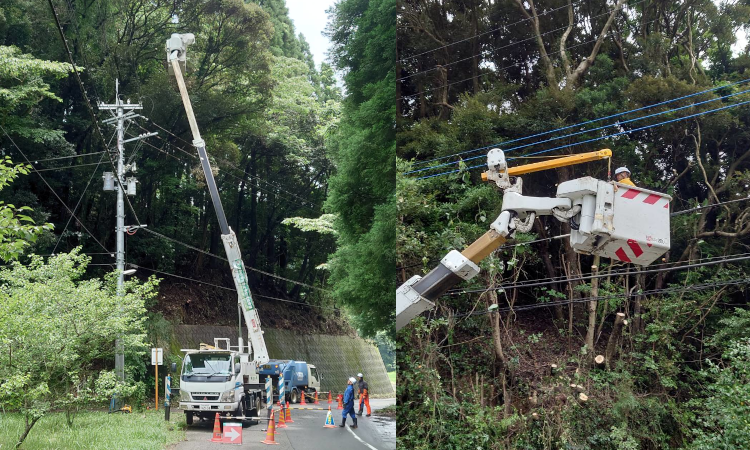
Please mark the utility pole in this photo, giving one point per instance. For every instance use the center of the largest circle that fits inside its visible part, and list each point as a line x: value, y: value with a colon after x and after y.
x: 120, y: 118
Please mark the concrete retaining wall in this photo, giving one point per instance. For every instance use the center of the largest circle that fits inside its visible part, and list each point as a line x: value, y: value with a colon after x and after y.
x: 336, y: 357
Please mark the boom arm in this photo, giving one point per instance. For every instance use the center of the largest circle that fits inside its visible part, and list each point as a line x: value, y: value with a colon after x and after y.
x: 176, y: 47
x: 418, y: 294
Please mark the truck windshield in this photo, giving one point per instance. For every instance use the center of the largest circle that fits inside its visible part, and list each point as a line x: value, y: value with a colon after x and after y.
x: 207, y: 367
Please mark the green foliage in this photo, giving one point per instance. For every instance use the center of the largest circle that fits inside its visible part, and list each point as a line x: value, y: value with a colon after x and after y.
x: 362, y: 190
x: 56, y: 328
x: 17, y: 229
x: 653, y: 392
x: 722, y: 418
x: 323, y: 224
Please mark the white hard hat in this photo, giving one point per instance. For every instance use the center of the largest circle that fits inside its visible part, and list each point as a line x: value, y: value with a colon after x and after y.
x: 621, y: 170
x: 352, y: 380
x: 360, y: 375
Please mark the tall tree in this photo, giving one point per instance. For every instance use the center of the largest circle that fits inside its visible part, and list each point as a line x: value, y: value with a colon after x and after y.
x: 363, y: 34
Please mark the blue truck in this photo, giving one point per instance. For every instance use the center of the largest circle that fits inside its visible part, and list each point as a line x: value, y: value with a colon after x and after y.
x: 300, y: 378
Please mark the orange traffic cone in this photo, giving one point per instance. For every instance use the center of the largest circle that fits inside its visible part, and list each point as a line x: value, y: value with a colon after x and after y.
x: 341, y: 401
x: 330, y: 400
x: 329, y: 420
x: 303, y: 399
x: 282, y: 420
x: 270, y: 434
x: 288, y: 414
x: 316, y: 399
x: 217, y: 430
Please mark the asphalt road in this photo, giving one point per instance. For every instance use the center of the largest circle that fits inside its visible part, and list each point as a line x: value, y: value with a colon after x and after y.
x: 307, y: 431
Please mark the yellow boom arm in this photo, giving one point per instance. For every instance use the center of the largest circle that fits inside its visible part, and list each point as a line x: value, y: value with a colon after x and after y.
x: 556, y: 162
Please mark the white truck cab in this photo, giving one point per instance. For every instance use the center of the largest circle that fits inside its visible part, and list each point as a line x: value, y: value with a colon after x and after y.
x: 215, y: 380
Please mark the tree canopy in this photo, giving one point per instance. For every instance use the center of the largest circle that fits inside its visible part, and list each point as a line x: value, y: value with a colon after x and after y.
x: 526, y: 76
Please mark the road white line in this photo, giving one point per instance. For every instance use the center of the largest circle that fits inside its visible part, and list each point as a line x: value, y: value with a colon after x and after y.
x: 360, y: 439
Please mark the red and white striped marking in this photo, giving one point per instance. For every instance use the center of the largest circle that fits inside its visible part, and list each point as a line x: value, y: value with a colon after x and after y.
x: 634, y: 247
x: 645, y: 197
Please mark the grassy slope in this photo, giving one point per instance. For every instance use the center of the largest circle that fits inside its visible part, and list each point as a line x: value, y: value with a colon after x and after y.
x: 95, y: 430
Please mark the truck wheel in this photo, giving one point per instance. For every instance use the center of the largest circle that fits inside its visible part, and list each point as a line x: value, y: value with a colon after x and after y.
x: 295, y: 396
x: 189, y: 418
x: 240, y: 412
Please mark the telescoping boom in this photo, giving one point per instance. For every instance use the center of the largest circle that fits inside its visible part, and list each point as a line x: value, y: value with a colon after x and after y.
x: 609, y: 219
x: 176, y: 54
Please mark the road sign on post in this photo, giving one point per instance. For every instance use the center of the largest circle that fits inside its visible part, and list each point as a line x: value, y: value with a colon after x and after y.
x: 157, y: 358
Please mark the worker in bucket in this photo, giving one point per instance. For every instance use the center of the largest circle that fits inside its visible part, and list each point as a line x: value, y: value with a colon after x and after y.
x: 364, y: 395
x: 622, y: 175
x: 349, y: 404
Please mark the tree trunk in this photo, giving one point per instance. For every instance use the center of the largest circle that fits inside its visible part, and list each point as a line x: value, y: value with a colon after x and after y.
x: 29, y: 426
x: 613, y: 338
x: 592, y: 309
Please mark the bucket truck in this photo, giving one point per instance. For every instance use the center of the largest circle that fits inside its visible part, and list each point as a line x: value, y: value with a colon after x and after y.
x: 219, y: 378
x: 608, y: 219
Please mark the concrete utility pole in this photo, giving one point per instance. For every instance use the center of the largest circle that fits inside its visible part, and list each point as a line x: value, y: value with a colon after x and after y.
x: 118, y: 184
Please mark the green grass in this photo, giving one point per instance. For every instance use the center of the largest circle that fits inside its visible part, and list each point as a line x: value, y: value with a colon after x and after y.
x: 392, y: 376
x: 95, y: 430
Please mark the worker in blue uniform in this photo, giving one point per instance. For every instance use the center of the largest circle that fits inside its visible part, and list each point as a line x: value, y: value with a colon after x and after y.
x: 349, y: 404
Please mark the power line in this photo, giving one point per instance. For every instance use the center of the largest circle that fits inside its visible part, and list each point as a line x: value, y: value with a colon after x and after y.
x: 51, y: 189
x: 511, y: 65
x: 101, y: 136
x: 616, y: 124
x: 487, y: 32
x: 678, y: 213
x: 136, y: 266
x: 92, y: 113
x: 36, y: 161
x: 724, y: 260
x: 227, y: 163
x: 692, y: 288
x: 67, y: 167
x: 492, y: 49
x: 224, y: 259
x: 228, y: 173
x: 602, y: 137
x: 80, y: 199
x: 224, y: 287
x: 499, y: 248
x: 586, y: 122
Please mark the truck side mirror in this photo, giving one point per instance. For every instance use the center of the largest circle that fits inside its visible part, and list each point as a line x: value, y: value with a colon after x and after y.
x: 174, y: 367
x: 237, y: 368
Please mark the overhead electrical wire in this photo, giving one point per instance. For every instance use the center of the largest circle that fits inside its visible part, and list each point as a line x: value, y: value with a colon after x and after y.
x: 148, y: 230
x: 310, y: 204
x: 616, y: 124
x: 101, y: 136
x: 514, y: 43
x: 36, y: 161
x: 487, y: 32
x: 52, y: 189
x: 678, y: 213
x: 289, y: 200
x: 723, y: 260
x: 601, y: 137
x: 90, y: 109
x: 135, y: 266
x: 525, y: 63
x: 692, y: 288
x: 580, y: 124
x: 80, y: 199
